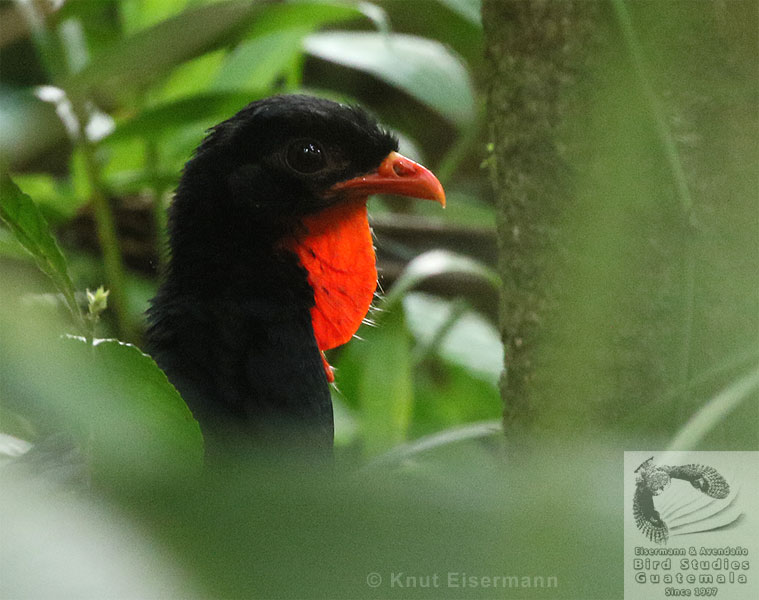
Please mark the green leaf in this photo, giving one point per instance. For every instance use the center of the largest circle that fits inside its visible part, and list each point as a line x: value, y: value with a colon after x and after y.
x: 471, y: 341
x: 454, y: 435
x: 375, y: 371
x: 467, y: 9
x: 140, y: 14
x: 31, y: 230
x: 386, y: 385
x: 715, y: 411
x: 261, y: 61
x: 10, y: 247
x: 423, y: 68
x: 170, y: 115
x: 142, y: 415
x: 190, y: 78
x: 446, y: 394
x: 128, y: 420
x: 55, y: 198
x: 434, y: 263
x: 139, y: 60
x: 463, y: 209
x: 274, y: 42
x: 29, y: 126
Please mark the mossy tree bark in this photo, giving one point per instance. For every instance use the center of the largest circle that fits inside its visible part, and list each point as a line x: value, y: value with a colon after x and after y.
x: 624, y: 164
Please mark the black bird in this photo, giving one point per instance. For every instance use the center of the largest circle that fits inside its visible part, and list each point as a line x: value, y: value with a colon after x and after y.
x: 272, y: 263
x: 650, y: 481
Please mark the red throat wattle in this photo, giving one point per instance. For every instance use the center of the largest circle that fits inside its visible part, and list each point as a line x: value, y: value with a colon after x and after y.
x: 337, y: 251
x: 335, y: 246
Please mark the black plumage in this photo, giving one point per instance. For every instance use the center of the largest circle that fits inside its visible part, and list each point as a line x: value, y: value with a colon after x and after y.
x: 230, y: 324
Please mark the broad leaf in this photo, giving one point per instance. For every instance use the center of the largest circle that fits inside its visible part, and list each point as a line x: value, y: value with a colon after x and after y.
x: 375, y: 372
x: 715, y: 411
x: 29, y: 126
x: 434, y: 263
x: 467, y: 9
x: 143, y: 413
x: 273, y: 44
x: 423, y: 68
x: 55, y: 197
x: 386, y: 385
x: 261, y: 60
x: 470, y: 341
x: 179, y: 113
x: 128, y: 420
x: 31, y: 230
x: 139, y: 60
x: 453, y: 435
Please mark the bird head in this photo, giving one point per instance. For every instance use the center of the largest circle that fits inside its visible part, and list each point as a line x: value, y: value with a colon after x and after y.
x: 286, y: 157
x: 657, y: 479
x: 288, y: 177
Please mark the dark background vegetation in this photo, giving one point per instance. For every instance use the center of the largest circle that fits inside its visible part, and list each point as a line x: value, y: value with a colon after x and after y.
x: 600, y: 161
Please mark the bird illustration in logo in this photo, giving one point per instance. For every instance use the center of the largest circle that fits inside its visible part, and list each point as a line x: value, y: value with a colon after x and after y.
x: 652, y: 479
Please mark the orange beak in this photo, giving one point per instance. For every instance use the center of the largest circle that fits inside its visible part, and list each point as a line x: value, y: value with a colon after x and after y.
x: 396, y: 175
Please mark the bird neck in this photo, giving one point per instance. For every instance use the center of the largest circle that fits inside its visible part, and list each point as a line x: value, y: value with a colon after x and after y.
x: 336, y: 249
x: 233, y: 333
x: 217, y: 249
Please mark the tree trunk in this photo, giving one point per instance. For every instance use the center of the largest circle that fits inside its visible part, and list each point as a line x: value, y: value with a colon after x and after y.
x: 624, y: 164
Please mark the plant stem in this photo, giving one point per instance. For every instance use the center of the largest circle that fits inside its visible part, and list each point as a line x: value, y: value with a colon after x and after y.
x: 51, y: 52
x: 106, y: 230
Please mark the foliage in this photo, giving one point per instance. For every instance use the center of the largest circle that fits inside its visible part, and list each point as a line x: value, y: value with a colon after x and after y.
x: 102, y: 102
x: 135, y: 107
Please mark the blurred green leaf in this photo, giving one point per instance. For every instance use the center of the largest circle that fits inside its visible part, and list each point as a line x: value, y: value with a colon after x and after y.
x: 260, y: 61
x: 55, y: 198
x: 11, y: 247
x: 29, y: 126
x: 468, y: 9
x: 190, y: 78
x: 462, y: 208
x: 438, y: 262
x: 31, y: 230
x: 385, y: 384
x: 102, y: 544
x: 274, y: 42
x: 119, y: 156
x: 470, y: 341
x: 715, y: 411
x: 161, y: 118
x: 252, y: 532
x: 304, y: 14
x: 447, y: 394
x: 375, y: 373
x: 453, y: 435
x: 141, y: 14
x: 136, y: 61
x: 148, y: 414
x: 423, y: 68
x: 129, y: 421
x: 346, y: 421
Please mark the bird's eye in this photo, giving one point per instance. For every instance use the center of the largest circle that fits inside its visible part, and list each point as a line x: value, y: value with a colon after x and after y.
x: 306, y: 156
